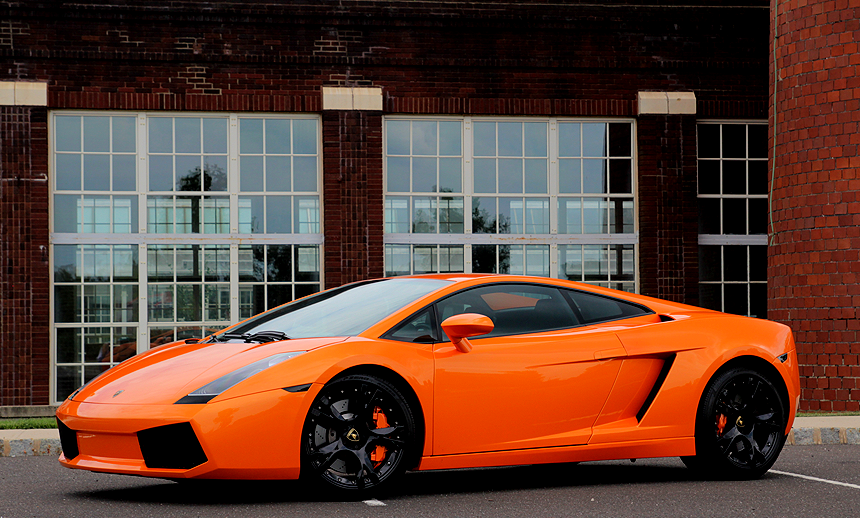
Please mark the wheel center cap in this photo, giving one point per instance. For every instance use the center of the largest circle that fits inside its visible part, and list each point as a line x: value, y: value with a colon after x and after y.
x: 352, y: 435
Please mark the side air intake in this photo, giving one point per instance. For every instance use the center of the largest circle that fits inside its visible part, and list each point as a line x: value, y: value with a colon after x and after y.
x: 68, y: 441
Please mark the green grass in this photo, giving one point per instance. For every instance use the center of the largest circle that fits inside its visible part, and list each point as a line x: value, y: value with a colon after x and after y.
x: 825, y: 414
x: 28, y: 423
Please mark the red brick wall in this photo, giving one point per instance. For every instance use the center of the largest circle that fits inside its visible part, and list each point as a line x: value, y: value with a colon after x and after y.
x: 466, y: 58
x: 24, y: 252
x: 814, y: 260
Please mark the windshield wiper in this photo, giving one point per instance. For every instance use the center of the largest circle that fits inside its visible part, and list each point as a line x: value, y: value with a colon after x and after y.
x: 260, y: 337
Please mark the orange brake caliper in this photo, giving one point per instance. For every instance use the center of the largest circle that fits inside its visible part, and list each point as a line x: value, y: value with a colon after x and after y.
x: 378, y: 454
x: 721, y: 423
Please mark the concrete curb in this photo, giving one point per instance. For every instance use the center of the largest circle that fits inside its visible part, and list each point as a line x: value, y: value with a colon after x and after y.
x: 22, y: 443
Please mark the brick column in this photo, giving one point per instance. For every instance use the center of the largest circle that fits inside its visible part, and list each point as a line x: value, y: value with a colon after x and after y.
x: 352, y: 196
x: 24, y: 275
x: 814, y: 257
x: 668, y: 224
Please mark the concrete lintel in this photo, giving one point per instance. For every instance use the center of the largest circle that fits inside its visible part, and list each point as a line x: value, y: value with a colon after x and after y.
x: 350, y: 98
x: 23, y: 93
x: 667, y: 103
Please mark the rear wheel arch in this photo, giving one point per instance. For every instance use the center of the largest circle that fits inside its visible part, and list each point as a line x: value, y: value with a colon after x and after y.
x: 757, y: 364
x: 405, y: 388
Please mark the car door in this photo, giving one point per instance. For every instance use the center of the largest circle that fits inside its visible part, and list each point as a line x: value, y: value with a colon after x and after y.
x: 539, y: 379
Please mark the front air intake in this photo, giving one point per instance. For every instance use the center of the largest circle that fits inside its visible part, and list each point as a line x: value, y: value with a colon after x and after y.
x: 174, y: 446
x: 68, y: 440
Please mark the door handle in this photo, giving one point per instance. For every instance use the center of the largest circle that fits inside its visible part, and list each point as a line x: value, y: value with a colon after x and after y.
x: 606, y: 354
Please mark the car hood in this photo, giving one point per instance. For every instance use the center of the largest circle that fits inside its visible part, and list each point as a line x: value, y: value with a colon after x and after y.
x: 165, y: 374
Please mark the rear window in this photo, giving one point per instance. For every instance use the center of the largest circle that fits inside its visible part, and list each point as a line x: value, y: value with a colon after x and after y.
x: 597, y: 308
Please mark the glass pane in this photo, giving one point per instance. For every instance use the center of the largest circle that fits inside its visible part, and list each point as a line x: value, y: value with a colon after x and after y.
x: 451, y: 258
x: 484, y: 259
x: 710, y: 263
x: 251, y: 260
x: 450, y: 175
x: 451, y: 215
x: 734, y: 216
x: 189, y: 302
x: 216, y: 215
x: 187, y: 135
x: 594, y: 216
x: 160, y: 214
x: 278, y: 138
x: 537, y: 260
x: 537, y: 216
x: 215, y: 173
x: 708, y: 140
x: 485, y: 175
x: 569, y: 215
x: 124, y: 214
x: 535, y: 139
x: 97, y: 172
x: 396, y: 215
x: 252, y: 300
x: 251, y: 136
x: 68, y: 133
x: 97, y: 305
x: 570, y: 176
x: 758, y: 217
x: 620, y: 176
x: 305, y: 173
x: 709, y: 177
x: 397, y: 260
x: 736, y: 298
x: 758, y: 300
x: 594, y: 176
x: 278, y: 215
x: 569, y: 139
x: 96, y: 214
x: 619, y: 139
x: 510, y: 139
x: 484, y: 216
x: 595, y: 261
x: 189, y: 263
x: 66, y: 263
x: 305, y: 137
x: 594, y: 139
x: 536, y: 176
x: 758, y: 262
x: 484, y: 137
x: 307, y: 214
x: 424, y: 259
x: 217, y: 302
x: 510, y: 175
x: 188, y: 173
x: 160, y: 134
x: 511, y: 216
x: 251, y: 173
x: 450, y: 138
x: 279, y: 263
x: 758, y: 176
x: 95, y: 263
x: 397, y: 135
x: 620, y: 215
x: 734, y: 177
x: 398, y: 174
x: 711, y: 296
x: 424, y: 175
x: 160, y: 263
x: 216, y: 263
x: 68, y: 345
x: 214, y: 135
x: 757, y: 141
x: 68, y: 172
x: 125, y: 263
x: 278, y: 173
x: 67, y: 303
x: 709, y: 216
x: 160, y: 173
x: 97, y: 134
x: 735, y: 263
x: 423, y: 215
x: 734, y: 142
x: 68, y: 380
x: 124, y: 174
x: 570, y: 262
x: 278, y: 294
x: 251, y: 214
x: 125, y: 303
x: 423, y: 138
x: 307, y: 263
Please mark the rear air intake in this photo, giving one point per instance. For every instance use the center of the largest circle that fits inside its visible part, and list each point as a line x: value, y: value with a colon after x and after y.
x: 174, y: 446
x: 68, y: 440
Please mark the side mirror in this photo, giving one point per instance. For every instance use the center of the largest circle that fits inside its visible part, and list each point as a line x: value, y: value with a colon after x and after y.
x: 460, y: 327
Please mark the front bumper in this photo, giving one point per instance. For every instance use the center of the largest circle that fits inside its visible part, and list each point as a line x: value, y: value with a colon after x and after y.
x: 257, y: 436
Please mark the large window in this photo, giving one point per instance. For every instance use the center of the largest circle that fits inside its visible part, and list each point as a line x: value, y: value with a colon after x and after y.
x: 172, y: 226
x: 733, y: 217
x: 550, y: 197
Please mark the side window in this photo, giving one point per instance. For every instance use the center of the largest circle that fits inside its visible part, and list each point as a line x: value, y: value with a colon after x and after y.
x: 596, y: 308
x: 418, y: 328
x: 513, y: 308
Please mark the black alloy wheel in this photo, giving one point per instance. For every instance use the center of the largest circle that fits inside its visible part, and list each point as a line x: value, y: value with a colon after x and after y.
x: 358, y: 435
x: 740, y: 429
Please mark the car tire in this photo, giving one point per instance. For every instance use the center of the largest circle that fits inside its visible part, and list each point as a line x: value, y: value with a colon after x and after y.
x: 740, y: 426
x: 358, y: 437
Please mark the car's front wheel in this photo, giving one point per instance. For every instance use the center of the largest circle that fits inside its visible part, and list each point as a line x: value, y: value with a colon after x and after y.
x: 740, y: 428
x: 358, y: 435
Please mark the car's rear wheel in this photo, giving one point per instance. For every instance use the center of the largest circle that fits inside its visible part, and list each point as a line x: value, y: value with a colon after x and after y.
x: 740, y: 428
x: 358, y: 435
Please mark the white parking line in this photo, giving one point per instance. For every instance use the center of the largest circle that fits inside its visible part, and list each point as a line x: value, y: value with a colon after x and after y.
x: 374, y: 503
x: 816, y: 479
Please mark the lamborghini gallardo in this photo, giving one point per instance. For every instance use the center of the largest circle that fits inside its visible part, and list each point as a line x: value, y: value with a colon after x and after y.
x: 349, y: 388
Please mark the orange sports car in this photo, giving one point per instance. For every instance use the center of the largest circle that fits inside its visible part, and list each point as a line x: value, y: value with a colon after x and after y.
x: 352, y: 386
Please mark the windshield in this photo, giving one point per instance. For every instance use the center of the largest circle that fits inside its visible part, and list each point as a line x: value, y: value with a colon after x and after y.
x: 344, y: 311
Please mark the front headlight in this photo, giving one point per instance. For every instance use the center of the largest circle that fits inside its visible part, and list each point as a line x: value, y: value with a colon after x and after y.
x: 214, y: 388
